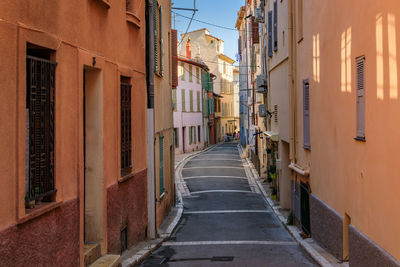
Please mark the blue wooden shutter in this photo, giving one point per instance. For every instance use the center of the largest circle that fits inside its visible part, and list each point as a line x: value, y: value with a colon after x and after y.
x: 306, y: 114
x: 275, y: 25
x: 270, y: 33
x: 360, y: 62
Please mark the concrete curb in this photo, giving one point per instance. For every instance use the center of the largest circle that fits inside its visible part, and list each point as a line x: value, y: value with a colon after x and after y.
x: 294, y: 232
x: 156, y: 243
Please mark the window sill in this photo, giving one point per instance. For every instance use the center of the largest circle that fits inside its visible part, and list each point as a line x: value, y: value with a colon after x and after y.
x: 105, y: 3
x: 125, y: 178
x: 38, y: 211
x: 361, y: 139
x: 133, y: 19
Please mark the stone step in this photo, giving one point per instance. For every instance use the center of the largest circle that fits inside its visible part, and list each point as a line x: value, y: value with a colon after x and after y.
x: 92, y: 252
x: 108, y: 260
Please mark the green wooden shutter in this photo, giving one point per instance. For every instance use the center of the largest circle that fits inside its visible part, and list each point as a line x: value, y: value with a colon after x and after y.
x: 183, y: 100
x: 155, y: 29
x: 194, y: 131
x: 174, y: 99
x: 191, y: 100
x: 190, y: 135
x: 197, y: 75
x: 183, y: 71
x: 198, y: 101
x: 190, y: 74
x: 161, y: 40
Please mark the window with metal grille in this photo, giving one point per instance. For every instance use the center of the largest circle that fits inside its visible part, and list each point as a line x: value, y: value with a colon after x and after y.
x: 306, y: 115
x: 360, y: 63
x: 126, y: 129
x: 40, y: 102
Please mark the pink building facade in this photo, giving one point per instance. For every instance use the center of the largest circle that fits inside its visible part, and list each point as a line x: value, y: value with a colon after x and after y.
x: 188, y: 106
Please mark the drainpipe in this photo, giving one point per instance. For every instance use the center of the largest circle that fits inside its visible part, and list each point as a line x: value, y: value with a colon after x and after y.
x: 151, y: 207
x: 292, y: 82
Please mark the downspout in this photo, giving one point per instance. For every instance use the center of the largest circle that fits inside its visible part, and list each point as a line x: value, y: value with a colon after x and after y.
x: 151, y: 210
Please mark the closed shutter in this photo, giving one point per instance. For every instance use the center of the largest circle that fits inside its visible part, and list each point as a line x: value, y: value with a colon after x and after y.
x: 197, y: 75
x: 194, y: 132
x: 190, y: 135
x: 360, y: 97
x: 240, y: 47
x: 155, y: 31
x: 254, y: 31
x: 270, y: 33
x: 174, y: 51
x: 183, y: 71
x: 198, y: 101
x: 161, y: 144
x: 191, y: 100
x: 174, y: 99
x: 190, y: 73
x: 183, y: 100
x: 161, y: 40
x: 275, y: 25
x: 306, y: 114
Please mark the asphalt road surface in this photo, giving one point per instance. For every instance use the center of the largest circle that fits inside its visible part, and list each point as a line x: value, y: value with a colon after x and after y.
x: 226, y: 221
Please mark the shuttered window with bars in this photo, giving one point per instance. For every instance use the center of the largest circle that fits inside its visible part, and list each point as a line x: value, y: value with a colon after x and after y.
x: 306, y: 115
x: 40, y: 102
x: 360, y: 63
x: 270, y: 33
x: 126, y: 129
x: 275, y: 25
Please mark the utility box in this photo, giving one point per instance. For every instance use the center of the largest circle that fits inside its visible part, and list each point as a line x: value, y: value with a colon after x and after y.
x: 261, y: 84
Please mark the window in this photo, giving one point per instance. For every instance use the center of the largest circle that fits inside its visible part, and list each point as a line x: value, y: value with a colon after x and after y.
x: 194, y: 133
x: 161, y: 167
x: 270, y: 33
x: 176, y: 137
x: 197, y: 75
x: 191, y: 100
x: 198, y: 132
x: 360, y: 63
x: 40, y: 77
x: 158, y: 40
x: 174, y: 99
x: 190, y: 135
x: 299, y: 20
x: 182, y: 71
x: 126, y: 128
x: 190, y: 74
x: 224, y: 67
x: 275, y: 25
x: 198, y: 101
x: 306, y: 114
x: 183, y: 100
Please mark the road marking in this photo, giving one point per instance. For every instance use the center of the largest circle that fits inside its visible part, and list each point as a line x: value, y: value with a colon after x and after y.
x: 226, y: 211
x: 213, y: 167
x: 216, y: 159
x: 239, y: 242
x: 219, y: 154
x: 233, y: 177
x: 222, y: 191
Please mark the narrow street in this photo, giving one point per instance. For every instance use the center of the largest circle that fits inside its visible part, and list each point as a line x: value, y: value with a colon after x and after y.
x: 226, y: 221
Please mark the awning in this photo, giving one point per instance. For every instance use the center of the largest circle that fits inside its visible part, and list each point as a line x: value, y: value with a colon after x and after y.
x: 272, y: 135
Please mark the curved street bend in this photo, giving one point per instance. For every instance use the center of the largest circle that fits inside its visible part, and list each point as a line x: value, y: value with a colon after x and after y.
x: 226, y: 220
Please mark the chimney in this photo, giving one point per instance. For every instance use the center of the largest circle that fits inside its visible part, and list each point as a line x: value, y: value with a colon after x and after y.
x: 188, y: 49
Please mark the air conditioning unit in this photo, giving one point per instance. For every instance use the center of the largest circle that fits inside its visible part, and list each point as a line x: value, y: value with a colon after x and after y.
x: 261, y: 84
x: 261, y: 111
x: 258, y: 15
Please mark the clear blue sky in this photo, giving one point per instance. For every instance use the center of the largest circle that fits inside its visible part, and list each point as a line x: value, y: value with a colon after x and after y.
x: 219, y: 12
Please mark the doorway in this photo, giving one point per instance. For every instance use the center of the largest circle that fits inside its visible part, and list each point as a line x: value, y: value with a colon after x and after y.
x: 93, y: 154
x: 305, y: 208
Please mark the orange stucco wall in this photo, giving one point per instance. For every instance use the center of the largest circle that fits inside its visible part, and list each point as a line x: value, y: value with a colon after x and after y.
x: 77, y: 31
x: 360, y: 179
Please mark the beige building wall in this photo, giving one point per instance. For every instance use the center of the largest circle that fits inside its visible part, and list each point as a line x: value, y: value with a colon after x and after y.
x: 357, y: 179
x: 164, y: 126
